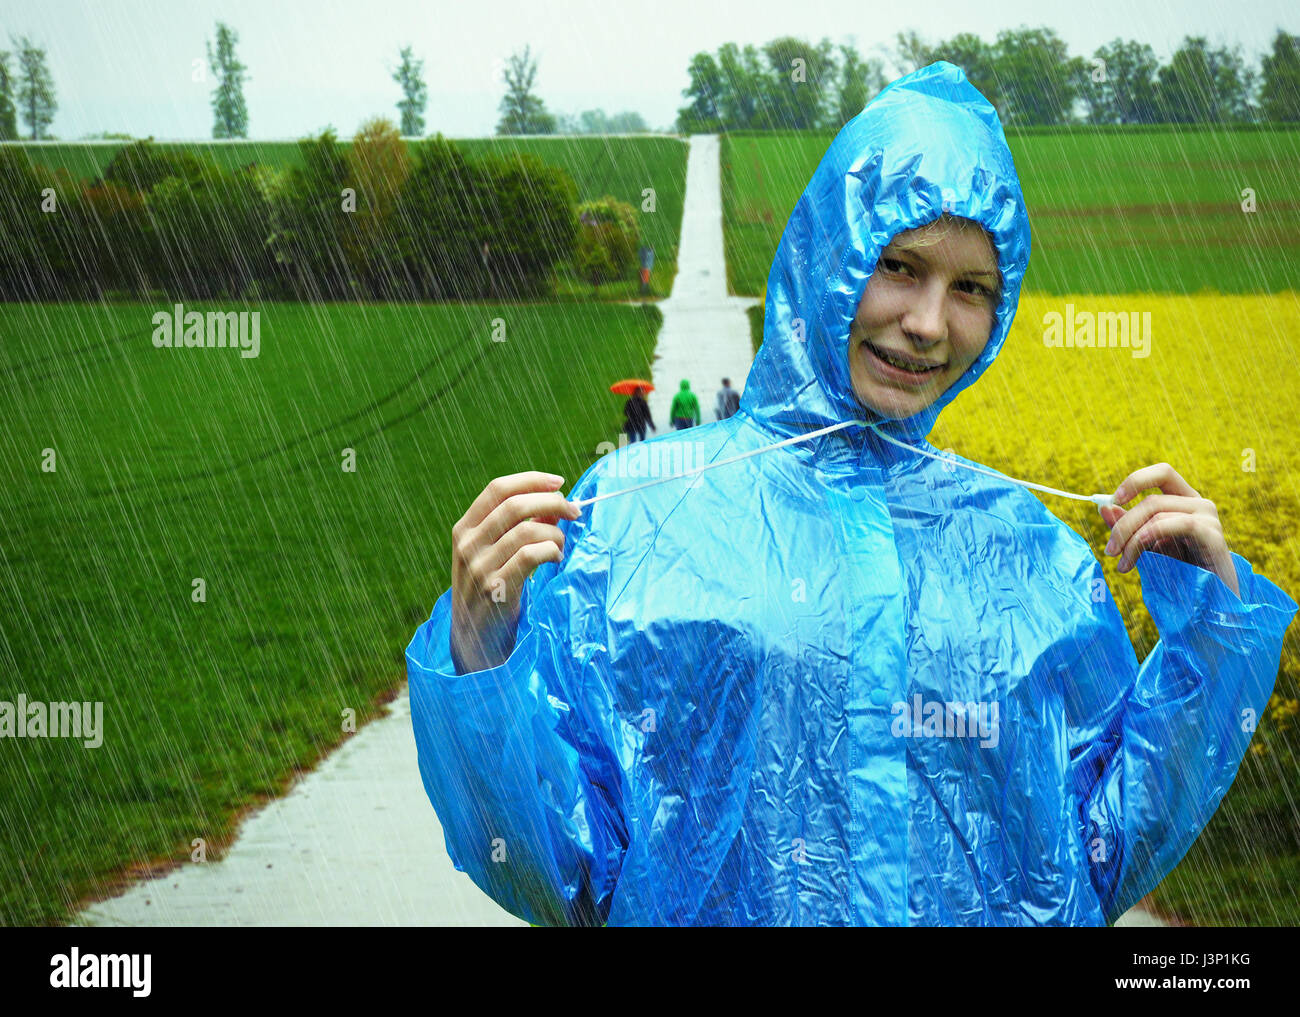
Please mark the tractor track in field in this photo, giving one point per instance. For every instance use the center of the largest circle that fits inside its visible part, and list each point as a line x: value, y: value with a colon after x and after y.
x: 9, y: 370
x: 292, y: 443
x: 159, y: 485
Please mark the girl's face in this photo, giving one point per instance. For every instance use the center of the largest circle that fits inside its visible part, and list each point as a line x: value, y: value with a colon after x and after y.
x: 925, y: 317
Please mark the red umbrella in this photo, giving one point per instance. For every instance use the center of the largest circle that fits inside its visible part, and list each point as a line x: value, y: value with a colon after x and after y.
x: 629, y: 385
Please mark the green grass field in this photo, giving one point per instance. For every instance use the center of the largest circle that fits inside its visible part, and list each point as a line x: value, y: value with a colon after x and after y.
x: 1109, y: 213
x: 181, y: 464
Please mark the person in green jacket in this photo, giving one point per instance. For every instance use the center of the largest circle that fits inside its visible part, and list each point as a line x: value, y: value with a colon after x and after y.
x: 685, y: 411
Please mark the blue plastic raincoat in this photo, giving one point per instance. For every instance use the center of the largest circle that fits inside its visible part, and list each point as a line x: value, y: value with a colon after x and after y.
x: 838, y: 683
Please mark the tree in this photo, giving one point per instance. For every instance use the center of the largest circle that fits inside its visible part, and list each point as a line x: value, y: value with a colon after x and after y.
x: 911, y: 52
x: 522, y: 112
x: 979, y: 60
x: 1279, y: 95
x: 35, y: 89
x: 745, y: 99
x: 1037, y: 78
x: 415, y: 95
x: 1026, y: 74
x: 229, y: 112
x: 968, y: 51
x: 801, y: 78
x: 789, y: 84
x: 1239, y: 85
x: 703, y: 115
x: 8, y: 113
x: 112, y: 239
x: 1119, y: 86
x: 1204, y: 85
x: 859, y: 82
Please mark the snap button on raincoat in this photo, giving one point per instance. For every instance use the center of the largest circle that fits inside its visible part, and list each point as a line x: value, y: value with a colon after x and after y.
x: 837, y: 683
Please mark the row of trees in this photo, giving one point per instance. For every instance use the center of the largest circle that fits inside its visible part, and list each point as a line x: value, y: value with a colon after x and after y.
x: 1026, y: 73
x: 379, y: 219
x: 522, y: 112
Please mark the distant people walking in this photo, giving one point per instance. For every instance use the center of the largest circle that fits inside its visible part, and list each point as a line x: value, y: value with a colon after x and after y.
x: 728, y: 400
x: 636, y: 415
x: 685, y: 411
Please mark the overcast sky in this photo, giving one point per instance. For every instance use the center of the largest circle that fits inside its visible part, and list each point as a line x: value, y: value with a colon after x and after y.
x: 127, y: 65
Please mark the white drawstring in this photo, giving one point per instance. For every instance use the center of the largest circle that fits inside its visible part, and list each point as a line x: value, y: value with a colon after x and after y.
x: 1096, y: 499
x: 720, y: 462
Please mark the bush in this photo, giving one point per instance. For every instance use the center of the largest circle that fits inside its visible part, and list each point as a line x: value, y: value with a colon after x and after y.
x: 58, y: 247
x: 608, y: 238
x: 142, y: 166
x: 442, y: 262
x: 378, y: 166
x: 207, y: 238
x: 529, y: 211
x: 114, y: 233
x: 26, y: 272
x: 520, y: 207
x: 308, y: 226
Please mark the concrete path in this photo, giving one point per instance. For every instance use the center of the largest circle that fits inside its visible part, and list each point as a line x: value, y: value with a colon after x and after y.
x: 356, y: 841
x: 705, y: 333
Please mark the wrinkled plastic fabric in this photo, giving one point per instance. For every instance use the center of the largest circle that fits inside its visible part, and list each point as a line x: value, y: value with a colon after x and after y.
x: 703, y: 717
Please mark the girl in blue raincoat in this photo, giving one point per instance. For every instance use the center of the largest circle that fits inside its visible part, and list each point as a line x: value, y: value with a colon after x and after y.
x: 834, y: 680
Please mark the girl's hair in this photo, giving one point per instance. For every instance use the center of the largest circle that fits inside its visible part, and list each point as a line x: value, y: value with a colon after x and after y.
x: 943, y: 226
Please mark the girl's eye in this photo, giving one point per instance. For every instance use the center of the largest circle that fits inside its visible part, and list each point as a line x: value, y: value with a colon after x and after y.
x: 893, y: 265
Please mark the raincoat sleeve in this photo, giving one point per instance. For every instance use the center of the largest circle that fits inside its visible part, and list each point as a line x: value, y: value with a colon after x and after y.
x: 1153, y: 749
x: 526, y: 787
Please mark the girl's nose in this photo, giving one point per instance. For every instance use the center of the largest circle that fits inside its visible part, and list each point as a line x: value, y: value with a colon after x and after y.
x: 926, y: 319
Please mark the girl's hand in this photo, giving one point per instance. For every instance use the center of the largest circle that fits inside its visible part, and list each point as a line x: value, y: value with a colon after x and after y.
x: 1178, y: 522
x: 495, y: 546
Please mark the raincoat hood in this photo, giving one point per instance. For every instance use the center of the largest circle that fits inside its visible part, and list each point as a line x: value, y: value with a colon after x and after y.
x: 929, y: 143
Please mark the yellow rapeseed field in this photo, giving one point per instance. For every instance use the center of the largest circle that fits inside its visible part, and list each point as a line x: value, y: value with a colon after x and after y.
x: 1208, y: 383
